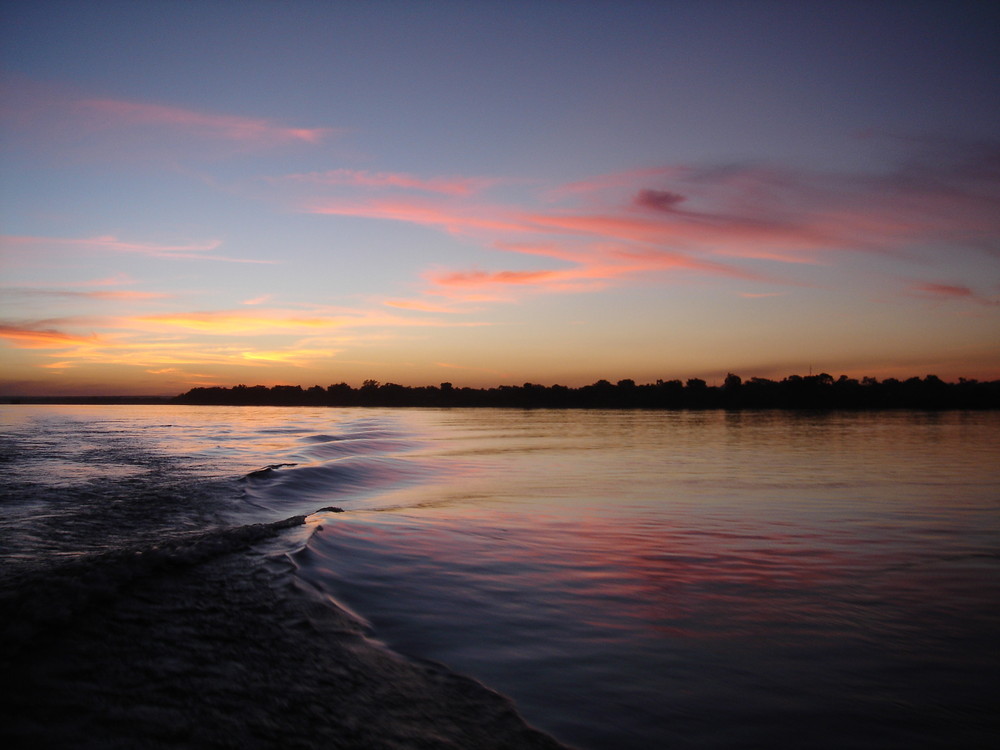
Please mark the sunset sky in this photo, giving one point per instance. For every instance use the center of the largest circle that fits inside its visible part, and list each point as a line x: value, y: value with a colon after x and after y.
x: 213, y: 193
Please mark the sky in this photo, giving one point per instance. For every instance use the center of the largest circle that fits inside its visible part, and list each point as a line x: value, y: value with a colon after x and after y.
x: 484, y: 193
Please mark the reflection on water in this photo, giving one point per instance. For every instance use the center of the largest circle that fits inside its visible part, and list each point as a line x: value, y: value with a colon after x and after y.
x: 631, y: 579
x: 640, y: 579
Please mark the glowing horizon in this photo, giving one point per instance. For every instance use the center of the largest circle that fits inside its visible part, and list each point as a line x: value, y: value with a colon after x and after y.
x: 448, y: 213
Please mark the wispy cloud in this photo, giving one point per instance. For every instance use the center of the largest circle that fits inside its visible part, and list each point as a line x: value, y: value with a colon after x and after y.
x: 119, y: 295
x: 61, y: 124
x: 422, y: 305
x: 49, y: 338
x: 110, y: 243
x: 615, y: 180
x: 228, y: 322
x: 118, y: 113
x: 47, y: 109
x: 455, y: 218
x: 260, y: 300
x: 257, y: 337
x: 944, y: 292
x: 461, y: 186
x: 295, y: 357
x: 719, y: 221
x: 263, y: 321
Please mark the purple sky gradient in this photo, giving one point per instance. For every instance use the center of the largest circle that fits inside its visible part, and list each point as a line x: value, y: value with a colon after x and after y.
x: 306, y: 192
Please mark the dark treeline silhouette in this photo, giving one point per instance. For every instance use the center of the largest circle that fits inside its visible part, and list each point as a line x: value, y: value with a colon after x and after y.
x: 794, y: 392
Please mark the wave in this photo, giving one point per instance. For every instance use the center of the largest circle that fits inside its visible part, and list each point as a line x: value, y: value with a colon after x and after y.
x: 346, y: 470
x: 160, y: 607
x: 41, y: 596
x: 196, y: 642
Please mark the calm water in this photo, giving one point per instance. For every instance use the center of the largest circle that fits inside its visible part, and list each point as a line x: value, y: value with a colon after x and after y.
x: 629, y: 579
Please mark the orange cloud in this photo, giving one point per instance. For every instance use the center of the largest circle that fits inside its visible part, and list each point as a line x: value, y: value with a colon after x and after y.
x: 296, y: 357
x: 32, y: 338
x: 262, y: 321
x: 218, y: 338
x: 234, y: 322
x: 157, y: 356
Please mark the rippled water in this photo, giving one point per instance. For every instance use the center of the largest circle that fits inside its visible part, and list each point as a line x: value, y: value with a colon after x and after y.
x: 630, y: 579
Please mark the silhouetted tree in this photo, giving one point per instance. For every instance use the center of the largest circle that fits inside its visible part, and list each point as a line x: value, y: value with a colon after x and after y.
x: 794, y: 392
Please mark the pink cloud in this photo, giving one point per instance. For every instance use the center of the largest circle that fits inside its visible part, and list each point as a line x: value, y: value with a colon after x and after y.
x: 593, y: 268
x: 258, y: 300
x: 954, y: 292
x: 358, y: 178
x: 116, y: 113
x: 452, y: 219
x: 119, y: 279
x: 944, y: 290
x: 712, y: 221
x: 189, y: 251
x: 489, y: 278
x: 64, y: 124
x: 543, y: 249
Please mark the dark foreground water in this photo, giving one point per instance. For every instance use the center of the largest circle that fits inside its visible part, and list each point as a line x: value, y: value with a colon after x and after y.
x: 627, y: 579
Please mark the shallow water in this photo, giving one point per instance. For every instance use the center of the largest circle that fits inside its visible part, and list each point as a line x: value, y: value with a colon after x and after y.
x: 630, y: 579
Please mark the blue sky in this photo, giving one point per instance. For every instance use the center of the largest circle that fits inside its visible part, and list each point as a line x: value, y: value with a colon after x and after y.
x: 307, y: 192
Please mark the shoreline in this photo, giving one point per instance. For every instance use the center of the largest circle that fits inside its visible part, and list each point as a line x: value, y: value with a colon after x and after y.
x: 794, y: 392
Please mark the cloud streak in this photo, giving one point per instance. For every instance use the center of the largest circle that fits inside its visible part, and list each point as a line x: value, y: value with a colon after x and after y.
x: 26, y: 337
x: 258, y: 321
x: 118, y: 113
x: 56, y: 113
x: 458, y: 186
x: 241, y: 337
x: 109, y: 243
x: 718, y: 221
x: 124, y: 295
x: 951, y: 292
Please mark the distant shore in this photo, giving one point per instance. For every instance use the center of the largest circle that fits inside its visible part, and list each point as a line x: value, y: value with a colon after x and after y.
x: 83, y: 400
x: 821, y: 391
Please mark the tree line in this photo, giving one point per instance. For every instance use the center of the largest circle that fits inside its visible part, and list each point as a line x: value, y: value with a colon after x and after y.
x: 821, y: 391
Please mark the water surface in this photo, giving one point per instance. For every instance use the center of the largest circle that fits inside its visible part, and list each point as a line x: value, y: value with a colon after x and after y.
x: 630, y: 579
